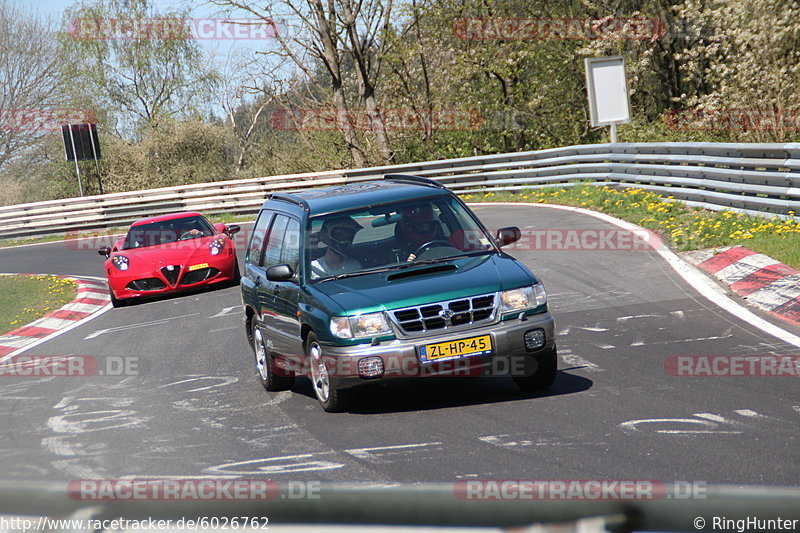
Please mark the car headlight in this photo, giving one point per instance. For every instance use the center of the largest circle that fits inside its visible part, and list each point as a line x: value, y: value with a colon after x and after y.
x: 121, y: 262
x: 522, y: 299
x: 216, y: 246
x: 362, y: 326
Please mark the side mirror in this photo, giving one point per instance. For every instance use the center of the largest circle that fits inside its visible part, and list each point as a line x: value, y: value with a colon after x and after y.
x: 280, y: 273
x: 508, y: 235
x: 233, y: 229
x: 105, y: 251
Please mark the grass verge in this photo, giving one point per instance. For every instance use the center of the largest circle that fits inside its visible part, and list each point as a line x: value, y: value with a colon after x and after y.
x: 26, y: 298
x: 684, y: 228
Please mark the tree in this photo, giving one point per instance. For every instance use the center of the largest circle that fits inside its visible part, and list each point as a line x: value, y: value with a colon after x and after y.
x: 343, y: 40
x: 525, y: 93
x: 747, y: 65
x: 140, y: 65
x: 30, y: 81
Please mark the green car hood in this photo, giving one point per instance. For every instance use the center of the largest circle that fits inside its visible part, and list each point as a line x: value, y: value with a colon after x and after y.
x: 471, y: 276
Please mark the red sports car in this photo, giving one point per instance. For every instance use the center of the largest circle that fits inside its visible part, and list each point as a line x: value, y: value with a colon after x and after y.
x: 170, y: 253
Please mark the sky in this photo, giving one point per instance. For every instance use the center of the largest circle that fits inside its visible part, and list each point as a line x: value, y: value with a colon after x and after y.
x: 199, y: 10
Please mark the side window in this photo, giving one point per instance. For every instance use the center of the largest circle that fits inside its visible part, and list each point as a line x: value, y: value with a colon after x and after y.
x: 291, y: 246
x: 258, y: 237
x: 277, y: 233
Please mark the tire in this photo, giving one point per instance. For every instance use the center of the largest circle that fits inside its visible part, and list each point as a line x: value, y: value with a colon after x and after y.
x: 265, y: 371
x: 114, y: 301
x: 237, y: 274
x: 545, y: 373
x: 333, y: 400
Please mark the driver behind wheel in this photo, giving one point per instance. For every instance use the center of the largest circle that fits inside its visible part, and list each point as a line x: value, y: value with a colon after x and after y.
x: 418, y: 225
x: 191, y: 230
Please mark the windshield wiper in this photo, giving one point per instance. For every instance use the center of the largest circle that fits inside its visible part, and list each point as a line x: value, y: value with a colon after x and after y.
x: 448, y: 258
x: 403, y: 266
x: 362, y: 272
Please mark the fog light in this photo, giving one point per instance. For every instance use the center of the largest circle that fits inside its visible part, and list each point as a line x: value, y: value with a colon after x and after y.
x: 370, y: 367
x: 534, y: 339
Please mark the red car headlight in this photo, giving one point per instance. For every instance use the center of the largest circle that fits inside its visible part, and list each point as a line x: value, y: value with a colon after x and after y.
x: 216, y: 246
x: 121, y: 262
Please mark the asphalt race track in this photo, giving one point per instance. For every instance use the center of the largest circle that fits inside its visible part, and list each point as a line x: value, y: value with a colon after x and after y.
x: 193, y: 407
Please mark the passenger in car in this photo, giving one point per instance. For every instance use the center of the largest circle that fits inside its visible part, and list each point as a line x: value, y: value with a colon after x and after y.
x: 337, y: 234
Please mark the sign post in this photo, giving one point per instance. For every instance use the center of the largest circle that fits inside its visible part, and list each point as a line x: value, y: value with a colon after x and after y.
x: 82, y: 144
x: 607, y: 88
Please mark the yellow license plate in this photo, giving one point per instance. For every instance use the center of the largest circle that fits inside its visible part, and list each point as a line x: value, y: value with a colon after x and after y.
x: 459, y: 348
x: 198, y: 267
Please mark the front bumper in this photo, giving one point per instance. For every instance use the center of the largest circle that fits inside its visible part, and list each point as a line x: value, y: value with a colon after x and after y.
x: 401, y: 356
x: 122, y: 282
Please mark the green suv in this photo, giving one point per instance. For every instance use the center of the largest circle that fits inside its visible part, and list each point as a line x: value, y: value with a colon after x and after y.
x: 388, y: 279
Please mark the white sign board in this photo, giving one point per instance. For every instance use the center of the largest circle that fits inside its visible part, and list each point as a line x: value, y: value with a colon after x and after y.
x: 608, y: 90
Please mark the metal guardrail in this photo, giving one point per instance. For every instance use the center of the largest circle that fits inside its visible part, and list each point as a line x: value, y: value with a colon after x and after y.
x: 425, y: 504
x: 760, y: 178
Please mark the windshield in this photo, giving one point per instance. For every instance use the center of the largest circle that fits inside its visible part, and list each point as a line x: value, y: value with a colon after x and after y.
x: 393, y: 236
x: 167, y: 231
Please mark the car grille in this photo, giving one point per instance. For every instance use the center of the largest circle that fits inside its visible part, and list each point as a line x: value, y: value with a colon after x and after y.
x: 447, y: 314
x: 146, y: 284
x: 196, y: 276
x: 171, y: 275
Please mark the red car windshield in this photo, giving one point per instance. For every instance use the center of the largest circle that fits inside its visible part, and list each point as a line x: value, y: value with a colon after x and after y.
x: 167, y: 231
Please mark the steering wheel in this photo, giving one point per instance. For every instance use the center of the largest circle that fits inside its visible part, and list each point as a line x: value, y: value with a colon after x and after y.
x: 189, y: 235
x: 423, y: 247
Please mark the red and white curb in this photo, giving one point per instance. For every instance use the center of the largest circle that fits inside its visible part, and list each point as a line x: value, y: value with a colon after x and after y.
x: 760, y: 279
x: 92, y: 298
x: 682, y: 267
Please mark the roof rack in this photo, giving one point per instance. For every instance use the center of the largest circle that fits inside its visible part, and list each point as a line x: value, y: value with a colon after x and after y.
x: 416, y: 180
x: 282, y: 197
